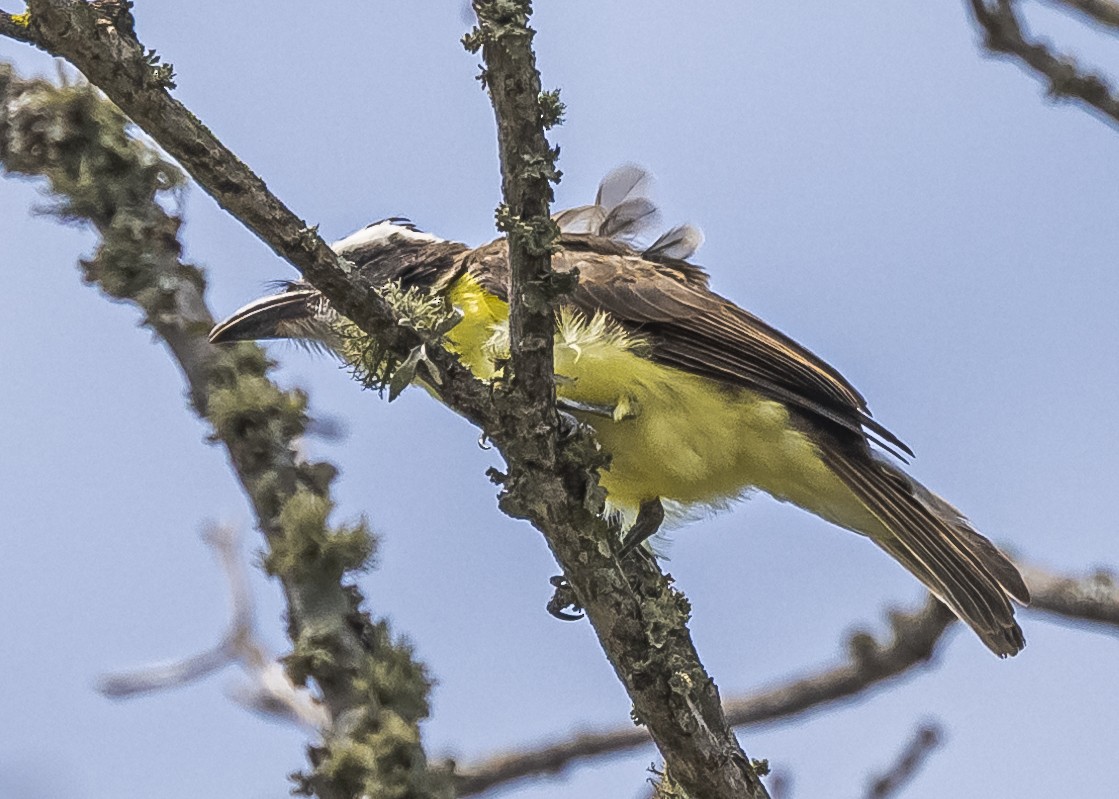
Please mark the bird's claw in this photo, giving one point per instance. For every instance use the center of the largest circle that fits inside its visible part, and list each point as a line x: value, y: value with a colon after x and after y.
x: 563, y: 597
x: 568, y: 425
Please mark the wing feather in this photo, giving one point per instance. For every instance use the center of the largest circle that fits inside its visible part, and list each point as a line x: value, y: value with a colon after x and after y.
x: 690, y: 327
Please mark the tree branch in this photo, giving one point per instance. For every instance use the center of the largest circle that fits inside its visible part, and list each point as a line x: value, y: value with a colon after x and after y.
x: 1004, y: 34
x: 106, y: 179
x: 924, y: 742
x: 639, y: 619
x: 913, y: 641
x: 642, y: 631
x: 1091, y: 600
x: 269, y: 690
x: 1105, y: 12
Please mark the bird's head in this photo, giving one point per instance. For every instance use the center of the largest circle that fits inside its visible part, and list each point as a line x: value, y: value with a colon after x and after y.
x: 392, y: 249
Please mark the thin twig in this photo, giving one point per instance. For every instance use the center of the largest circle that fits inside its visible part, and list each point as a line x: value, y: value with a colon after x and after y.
x: 1105, y: 12
x: 924, y: 742
x: 269, y: 690
x: 1004, y: 34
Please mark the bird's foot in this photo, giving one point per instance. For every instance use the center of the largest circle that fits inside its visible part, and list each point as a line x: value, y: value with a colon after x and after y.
x: 569, y: 423
x: 649, y: 518
x: 563, y: 598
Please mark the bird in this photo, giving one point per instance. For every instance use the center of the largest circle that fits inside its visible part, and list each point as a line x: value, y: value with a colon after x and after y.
x: 696, y: 401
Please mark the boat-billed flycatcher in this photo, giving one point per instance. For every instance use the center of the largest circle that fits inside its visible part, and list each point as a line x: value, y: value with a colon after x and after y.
x: 696, y: 400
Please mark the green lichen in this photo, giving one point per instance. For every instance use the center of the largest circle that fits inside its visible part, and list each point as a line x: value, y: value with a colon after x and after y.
x: 552, y: 109
x: 373, y: 360
x: 539, y: 234
x: 162, y: 74
x: 664, y: 787
x: 378, y: 754
x: 101, y: 177
x: 309, y: 547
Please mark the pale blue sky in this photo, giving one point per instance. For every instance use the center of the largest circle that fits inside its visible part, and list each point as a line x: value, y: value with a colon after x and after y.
x: 920, y: 216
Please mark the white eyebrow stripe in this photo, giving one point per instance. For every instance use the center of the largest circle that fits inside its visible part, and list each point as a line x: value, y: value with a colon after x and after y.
x: 379, y: 232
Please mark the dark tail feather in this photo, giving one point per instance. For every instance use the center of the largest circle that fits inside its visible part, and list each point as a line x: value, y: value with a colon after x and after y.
x: 936, y: 543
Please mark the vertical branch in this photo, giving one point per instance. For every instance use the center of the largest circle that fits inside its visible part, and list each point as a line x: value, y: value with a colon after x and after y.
x: 640, y: 620
x: 528, y: 170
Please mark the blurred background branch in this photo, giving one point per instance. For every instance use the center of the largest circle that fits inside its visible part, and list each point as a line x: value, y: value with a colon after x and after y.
x: 1105, y: 12
x: 926, y: 739
x: 101, y: 176
x: 269, y: 690
x: 1091, y: 600
x: 1005, y: 34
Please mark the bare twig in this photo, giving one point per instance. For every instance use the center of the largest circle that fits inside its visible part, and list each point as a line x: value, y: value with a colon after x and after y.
x: 1092, y: 600
x: 1105, y: 12
x: 925, y: 741
x: 269, y: 691
x: 1004, y: 34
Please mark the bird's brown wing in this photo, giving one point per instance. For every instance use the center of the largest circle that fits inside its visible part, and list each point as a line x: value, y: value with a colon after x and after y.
x: 689, y: 327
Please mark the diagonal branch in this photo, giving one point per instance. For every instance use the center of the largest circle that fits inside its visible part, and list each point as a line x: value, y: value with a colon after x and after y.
x: 871, y: 664
x: 926, y: 740
x: 1091, y: 600
x: 1105, y: 12
x: 1004, y: 34
x: 102, y: 177
x: 639, y: 619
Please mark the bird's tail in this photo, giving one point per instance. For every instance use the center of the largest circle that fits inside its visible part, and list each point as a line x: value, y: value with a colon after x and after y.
x: 939, y: 546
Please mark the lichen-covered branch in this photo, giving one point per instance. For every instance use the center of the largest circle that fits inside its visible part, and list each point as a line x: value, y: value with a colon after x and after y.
x: 1004, y: 33
x: 640, y: 620
x: 1091, y: 600
x: 528, y: 170
x: 373, y: 688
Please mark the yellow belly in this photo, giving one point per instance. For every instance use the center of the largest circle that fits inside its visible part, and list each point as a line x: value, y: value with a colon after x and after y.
x: 674, y: 435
